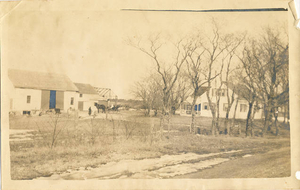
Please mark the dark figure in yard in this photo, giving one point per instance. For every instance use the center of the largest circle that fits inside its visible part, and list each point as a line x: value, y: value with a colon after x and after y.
x: 102, y: 107
x: 90, y: 110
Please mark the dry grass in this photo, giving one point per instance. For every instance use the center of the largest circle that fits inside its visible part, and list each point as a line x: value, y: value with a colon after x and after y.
x: 89, y: 143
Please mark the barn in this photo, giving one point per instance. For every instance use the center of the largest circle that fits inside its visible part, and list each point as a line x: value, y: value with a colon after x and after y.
x: 38, y: 91
x: 87, y: 96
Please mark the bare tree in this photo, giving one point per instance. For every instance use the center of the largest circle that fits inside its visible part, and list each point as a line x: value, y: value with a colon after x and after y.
x: 195, y: 74
x: 168, y: 72
x: 270, y: 55
x: 248, y: 88
x: 215, y: 48
x: 148, y: 91
x: 179, y: 93
x: 230, y: 96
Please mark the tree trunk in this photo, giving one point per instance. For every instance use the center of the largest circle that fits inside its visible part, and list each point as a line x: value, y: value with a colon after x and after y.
x: 252, y: 119
x: 268, y: 119
x: 162, y: 122
x: 164, y: 112
x: 227, y: 127
x: 168, y: 120
x: 213, y: 126
x: 234, y: 114
x: 248, y: 117
x: 192, y: 128
x: 284, y: 114
x: 276, y: 126
x: 218, y: 115
x: 276, y: 116
x: 148, y: 111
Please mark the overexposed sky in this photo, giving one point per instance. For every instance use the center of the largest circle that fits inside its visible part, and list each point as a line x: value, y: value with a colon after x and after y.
x: 89, y: 47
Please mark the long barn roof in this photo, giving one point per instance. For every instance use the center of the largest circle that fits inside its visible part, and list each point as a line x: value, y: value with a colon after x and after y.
x: 40, y: 80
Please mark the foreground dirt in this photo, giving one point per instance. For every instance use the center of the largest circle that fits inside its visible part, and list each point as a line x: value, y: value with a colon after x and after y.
x: 272, y: 164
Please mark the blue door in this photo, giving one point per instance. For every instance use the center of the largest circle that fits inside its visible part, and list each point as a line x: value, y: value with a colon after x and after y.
x: 52, y: 99
x: 195, y: 107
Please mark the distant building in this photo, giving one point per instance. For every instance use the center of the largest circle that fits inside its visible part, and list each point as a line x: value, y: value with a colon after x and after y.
x: 86, y: 96
x: 202, y: 107
x: 108, y: 97
x: 32, y: 91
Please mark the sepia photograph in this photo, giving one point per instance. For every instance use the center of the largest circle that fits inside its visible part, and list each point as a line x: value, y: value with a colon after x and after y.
x: 146, y: 93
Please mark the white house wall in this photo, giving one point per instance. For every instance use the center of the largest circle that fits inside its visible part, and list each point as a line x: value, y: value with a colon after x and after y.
x: 19, y: 99
x: 88, y: 100
x: 67, y: 100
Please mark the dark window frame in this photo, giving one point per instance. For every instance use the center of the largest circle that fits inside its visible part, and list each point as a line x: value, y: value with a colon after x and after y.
x: 28, y: 100
x: 243, y: 107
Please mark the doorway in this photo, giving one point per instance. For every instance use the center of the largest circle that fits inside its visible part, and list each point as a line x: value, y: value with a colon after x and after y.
x: 52, y: 102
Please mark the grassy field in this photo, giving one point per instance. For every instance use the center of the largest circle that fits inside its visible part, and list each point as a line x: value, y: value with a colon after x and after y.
x: 65, y: 142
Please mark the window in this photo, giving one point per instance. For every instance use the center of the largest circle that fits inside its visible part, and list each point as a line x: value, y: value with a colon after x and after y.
x: 72, y: 101
x: 206, y: 107
x: 243, y: 107
x: 219, y: 92
x: 225, y: 106
x: 28, y: 99
x: 188, y: 107
x: 195, y: 107
x: 26, y: 112
x: 80, y: 95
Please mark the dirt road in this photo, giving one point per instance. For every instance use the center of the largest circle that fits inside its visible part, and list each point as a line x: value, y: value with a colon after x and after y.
x: 272, y: 164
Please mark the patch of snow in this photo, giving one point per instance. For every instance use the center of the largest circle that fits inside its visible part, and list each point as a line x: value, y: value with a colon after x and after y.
x: 247, y: 155
x: 165, y: 166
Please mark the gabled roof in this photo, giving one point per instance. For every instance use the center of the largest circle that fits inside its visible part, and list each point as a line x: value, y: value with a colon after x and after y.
x: 40, y: 80
x: 85, y: 88
x: 202, y: 90
x: 105, y: 92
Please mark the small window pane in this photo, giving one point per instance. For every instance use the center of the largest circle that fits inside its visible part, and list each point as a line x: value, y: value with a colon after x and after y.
x: 72, y: 101
x: 28, y: 99
x: 243, y: 107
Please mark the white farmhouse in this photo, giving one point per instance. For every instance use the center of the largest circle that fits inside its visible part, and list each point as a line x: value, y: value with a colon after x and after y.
x: 87, y: 96
x: 202, y: 106
x: 37, y: 91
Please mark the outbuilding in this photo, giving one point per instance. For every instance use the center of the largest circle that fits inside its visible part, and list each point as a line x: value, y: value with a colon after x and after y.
x: 87, y: 96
